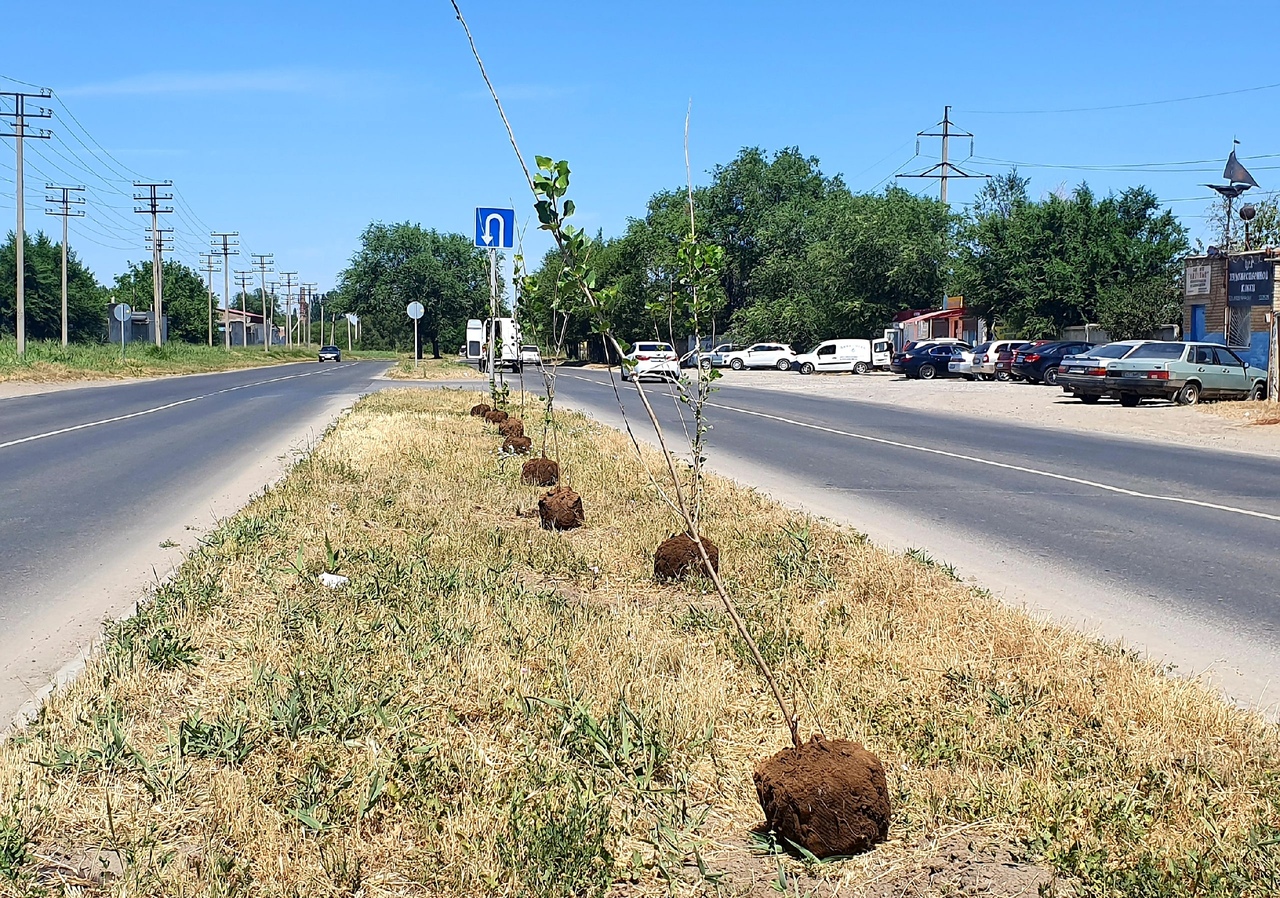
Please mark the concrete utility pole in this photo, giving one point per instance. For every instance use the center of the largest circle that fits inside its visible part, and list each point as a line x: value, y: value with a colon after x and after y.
x: 288, y: 285
x: 226, y: 247
x: 206, y: 259
x: 310, y: 288
x: 153, y: 208
x: 944, y: 169
x: 243, y: 279
x: 263, y: 262
x: 65, y: 202
x: 18, y: 119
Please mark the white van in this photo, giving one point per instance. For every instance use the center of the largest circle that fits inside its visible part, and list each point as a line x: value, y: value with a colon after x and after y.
x: 858, y: 356
x: 506, y: 344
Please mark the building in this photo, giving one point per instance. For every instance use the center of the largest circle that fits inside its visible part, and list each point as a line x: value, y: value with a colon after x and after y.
x: 953, y: 320
x: 246, y: 327
x: 140, y: 328
x: 1232, y: 301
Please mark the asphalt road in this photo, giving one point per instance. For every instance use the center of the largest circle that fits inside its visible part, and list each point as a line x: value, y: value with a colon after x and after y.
x: 1175, y: 551
x: 96, y: 479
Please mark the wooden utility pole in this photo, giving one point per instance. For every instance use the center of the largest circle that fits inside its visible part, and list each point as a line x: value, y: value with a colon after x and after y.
x: 310, y: 288
x: 226, y: 247
x: 63, y: 211
x: 153, y: 208
x: 207, y: 259
x: 263, y: 262
x: 18, y: 118
x: 244, y: 279
x: 288, y: 285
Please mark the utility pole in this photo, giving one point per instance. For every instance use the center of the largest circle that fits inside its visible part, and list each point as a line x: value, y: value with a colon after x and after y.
x: 207, y: 260
x: 243, y: 279
x: 944, y: 169
x: 226, y: 247
x: 153, y: 208
x: 310, y: 287
x: 263, y: 262
x: 18, y: 119
x: 289, y: 284
x: 64, y: 212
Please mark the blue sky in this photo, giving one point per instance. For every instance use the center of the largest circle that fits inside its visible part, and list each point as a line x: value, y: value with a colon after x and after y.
x: 297, y: 124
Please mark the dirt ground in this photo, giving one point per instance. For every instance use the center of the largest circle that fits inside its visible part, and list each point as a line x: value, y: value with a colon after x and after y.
x: 1033, y: 405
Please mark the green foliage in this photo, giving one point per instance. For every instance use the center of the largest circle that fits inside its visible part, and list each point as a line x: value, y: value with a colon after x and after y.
x: 186, y: 301
x: 1037, y: 267
x: 42, y: 292
x: 402, y: 263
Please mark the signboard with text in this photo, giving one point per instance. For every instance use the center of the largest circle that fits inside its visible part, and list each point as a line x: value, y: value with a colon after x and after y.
x: 1251, y: 280
x: 1199, y: 279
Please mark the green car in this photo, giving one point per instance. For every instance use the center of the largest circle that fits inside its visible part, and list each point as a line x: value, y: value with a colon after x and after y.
x: 1184, y: 372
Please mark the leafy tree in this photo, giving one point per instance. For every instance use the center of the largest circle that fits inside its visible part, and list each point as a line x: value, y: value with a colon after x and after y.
x: 42, y: 292
x: 186, y: 300
x: 400, y: 263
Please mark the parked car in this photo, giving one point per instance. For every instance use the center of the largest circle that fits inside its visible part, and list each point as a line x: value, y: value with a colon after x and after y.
x: 762, y: 355
x: 1185, y: 372
x: 1036, y: 364
x: 986, y: 355
x: 529, y: 355
x: 648, y: 359
x: 330, y: 354
x: 917, y: 345
x: 858, y: 356
x: 1084, y: 375
x: 1004, y: 360
x: 929, y: 360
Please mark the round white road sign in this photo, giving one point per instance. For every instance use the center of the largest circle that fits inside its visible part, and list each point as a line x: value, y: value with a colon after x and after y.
x: 415, y: 310
x: 122, y: 312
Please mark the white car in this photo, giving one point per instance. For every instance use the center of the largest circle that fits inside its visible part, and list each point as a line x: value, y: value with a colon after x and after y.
x: 858, y: 356
x: 985, y: 355
x: 762, y: 355
x: 529, y: 355
x: 648, y: 359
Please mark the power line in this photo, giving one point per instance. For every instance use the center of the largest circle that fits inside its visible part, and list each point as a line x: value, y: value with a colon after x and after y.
x: 1225, y: 93
x: 19, y: 118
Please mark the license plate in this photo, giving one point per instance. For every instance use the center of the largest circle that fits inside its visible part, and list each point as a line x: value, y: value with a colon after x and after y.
x: 1132, y: 374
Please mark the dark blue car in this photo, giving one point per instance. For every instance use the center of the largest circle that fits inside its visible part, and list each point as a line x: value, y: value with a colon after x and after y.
x: 927, y: 361
x: 1037, y: 364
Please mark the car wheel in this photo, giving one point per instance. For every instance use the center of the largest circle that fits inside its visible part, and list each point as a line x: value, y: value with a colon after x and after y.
x: 783, y: 365
x: 1088, y: 398
x: 861, y: 368
x: 736, y: 364
x: 1130, y: 400
x: 1002, y: 376
x: 927, y: 372
x: 806, y: 368
x: 1258, y: 393
x: 1051, y: 376
x: 705, y: 364
x: 1189, y: 394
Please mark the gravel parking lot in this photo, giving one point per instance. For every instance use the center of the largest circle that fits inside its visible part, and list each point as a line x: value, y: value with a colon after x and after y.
x: 1035, y: 406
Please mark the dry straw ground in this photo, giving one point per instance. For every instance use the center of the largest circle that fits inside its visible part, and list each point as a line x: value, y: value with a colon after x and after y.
x: 432, y: 369
x: 1244, y: 412
x: 51, y: 362
x: 490, y: 708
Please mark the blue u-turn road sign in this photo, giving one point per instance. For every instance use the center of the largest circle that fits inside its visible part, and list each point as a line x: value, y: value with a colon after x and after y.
x: 495, y: 228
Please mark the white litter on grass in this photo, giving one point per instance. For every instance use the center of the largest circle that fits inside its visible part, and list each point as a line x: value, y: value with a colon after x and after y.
x: 333, y: 581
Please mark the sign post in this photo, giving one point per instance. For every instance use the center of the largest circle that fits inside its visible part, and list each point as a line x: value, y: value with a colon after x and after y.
x: 495, y: 229
x: 414, y: 310
x: 122, y: 313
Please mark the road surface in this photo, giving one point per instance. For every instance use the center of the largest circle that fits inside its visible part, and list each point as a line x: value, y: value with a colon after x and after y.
x: 1175, y: 551
x: 96, y: 479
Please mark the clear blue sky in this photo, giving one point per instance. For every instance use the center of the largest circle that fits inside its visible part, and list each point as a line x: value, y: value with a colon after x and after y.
x: 299, y: 123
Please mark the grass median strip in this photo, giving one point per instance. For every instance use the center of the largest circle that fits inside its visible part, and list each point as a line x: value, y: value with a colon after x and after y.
x: 487, y: 707
x: 432, y: 369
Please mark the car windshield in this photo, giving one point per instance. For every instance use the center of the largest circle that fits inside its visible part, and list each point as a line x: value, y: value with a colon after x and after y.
x: 981, y: 347
x: 328, y: 349
x: 1109, y: 351
x: 529, y: 348
x: 1158, y: 351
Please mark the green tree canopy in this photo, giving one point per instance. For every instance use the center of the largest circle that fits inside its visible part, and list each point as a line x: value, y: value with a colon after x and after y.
x: 186, y: 301
x: 42, y: 292
x: 402, y: 263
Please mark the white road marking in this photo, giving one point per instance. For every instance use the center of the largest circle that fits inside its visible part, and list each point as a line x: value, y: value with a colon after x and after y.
x: 1021, y: 469
x: 161, y: 408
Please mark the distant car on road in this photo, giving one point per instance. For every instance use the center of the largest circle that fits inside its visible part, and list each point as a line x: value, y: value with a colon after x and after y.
x: 529, y: 355
x: 649, y: 359
x: 330, y: 354
x: 762, y: 355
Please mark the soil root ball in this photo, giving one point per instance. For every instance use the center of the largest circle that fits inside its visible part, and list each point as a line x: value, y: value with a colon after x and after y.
x: 514, y: 445
x: 678, y: 557
x: 540, y: 472
x: 561, y: 509
x: 495, y: 416
x: 828, y: 796
x: 480, y: 410
x: 512, y: 427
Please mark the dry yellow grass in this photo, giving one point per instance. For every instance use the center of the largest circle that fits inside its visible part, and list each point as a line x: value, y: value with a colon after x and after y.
x: 1244, y: 412
x: 432, y: 369
x: 490, y: 708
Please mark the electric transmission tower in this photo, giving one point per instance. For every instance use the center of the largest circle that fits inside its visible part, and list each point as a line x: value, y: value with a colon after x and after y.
x: 155, y: 210
x: 18, y: 119
x: 63, y: 210
x: 944, y: 170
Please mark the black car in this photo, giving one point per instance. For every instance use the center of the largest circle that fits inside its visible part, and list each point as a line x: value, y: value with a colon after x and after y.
x: 1037, y: 364
x: 330, y: 354
x: 927, y: 361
